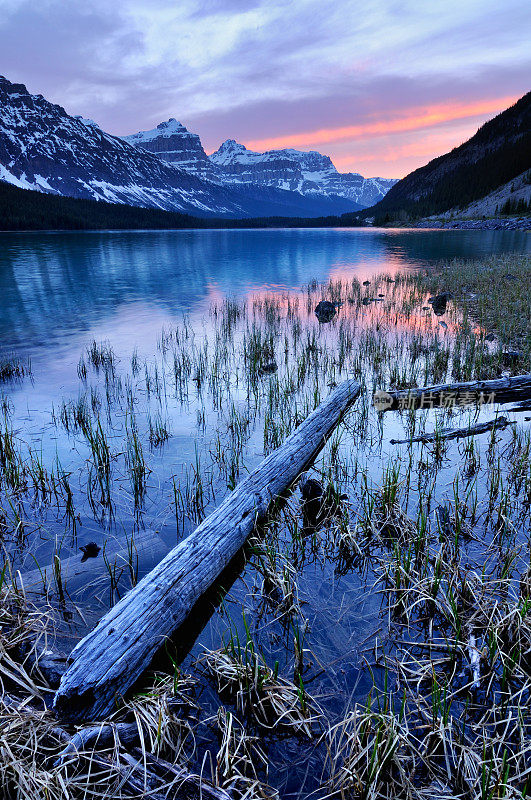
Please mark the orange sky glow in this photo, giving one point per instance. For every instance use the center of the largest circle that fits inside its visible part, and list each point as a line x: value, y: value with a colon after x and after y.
x: 401, y: 141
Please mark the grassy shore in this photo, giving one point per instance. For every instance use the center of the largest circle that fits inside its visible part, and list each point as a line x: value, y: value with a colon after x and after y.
x: 494, y: 294
x: 427, y: 695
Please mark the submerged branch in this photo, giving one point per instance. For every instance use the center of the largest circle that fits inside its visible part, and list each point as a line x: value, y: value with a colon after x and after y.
x: 499, y: 423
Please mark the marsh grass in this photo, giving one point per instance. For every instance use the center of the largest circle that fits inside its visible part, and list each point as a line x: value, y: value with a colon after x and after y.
x: 436, y: 536
x: 34, y: 764
x: 241, y: 763
x: 494, y: 297
x: 12, y: 368
x: 242, y: 674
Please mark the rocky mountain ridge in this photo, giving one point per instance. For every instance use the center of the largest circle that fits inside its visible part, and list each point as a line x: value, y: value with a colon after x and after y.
x: 44, y: 148
x: 309, y: 173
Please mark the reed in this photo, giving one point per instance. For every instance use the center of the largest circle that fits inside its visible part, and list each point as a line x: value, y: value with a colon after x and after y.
x: 386, y: 646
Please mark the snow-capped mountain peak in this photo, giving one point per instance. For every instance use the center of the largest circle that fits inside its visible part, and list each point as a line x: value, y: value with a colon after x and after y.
x: 174, y: 143
x: 163, y: 129
x: 308, y: 172
x: 228, y: 152
x: 232, y: 152
x: 88, y: 122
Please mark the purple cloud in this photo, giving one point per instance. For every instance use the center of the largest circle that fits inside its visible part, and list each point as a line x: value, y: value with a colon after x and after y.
x: 264, y: 68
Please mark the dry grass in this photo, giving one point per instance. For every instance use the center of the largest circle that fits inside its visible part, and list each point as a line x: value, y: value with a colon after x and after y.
x: 448, y: 715
x: 240, y: 760
x: 270, y: 700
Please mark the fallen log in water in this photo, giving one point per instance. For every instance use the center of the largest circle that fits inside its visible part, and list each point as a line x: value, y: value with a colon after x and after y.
x: 113, y: 655
x: 470, y: 393
x: 142, y: 774
x: 457, y: 433
x: 124, y: 733
x: 66, y: 576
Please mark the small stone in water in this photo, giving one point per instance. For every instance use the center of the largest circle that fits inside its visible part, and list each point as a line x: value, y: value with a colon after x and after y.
x: 438, y: 303
x: 268, y: 368
x: 312, y: 499
x: 89, y: 550
x: 511, y: 356
x: 325, y: 310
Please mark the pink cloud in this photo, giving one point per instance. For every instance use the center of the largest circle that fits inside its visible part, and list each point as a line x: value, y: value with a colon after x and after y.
x: 400, y: 153
x: 415, y: 120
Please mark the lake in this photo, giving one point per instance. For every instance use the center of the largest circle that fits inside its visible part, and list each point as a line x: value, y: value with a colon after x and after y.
x: 146, y: 391
x: 58, y: 289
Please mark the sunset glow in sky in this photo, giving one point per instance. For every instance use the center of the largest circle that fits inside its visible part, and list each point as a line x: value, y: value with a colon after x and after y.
x: 381, y: 86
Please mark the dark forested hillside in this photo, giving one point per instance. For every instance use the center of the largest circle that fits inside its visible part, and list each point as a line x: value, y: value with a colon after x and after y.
x: 26, y: 210
x: 497, y: 153
x: 23, y: 209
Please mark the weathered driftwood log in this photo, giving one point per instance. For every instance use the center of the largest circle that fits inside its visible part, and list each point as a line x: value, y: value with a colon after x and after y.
x: 71, y: 574
x: 457, y: 433
x: 501, y: 390
x: 113, y: 655
x: 101, y: 736
x: 525, y: 405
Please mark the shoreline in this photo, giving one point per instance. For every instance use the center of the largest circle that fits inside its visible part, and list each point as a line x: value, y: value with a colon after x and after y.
x: 492, y: 224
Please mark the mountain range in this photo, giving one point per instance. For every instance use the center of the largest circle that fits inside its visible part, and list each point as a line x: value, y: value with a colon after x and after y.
x: 311, y: 174
x: 306, y: 172
x: 168, y: 177
x: 45, y: 149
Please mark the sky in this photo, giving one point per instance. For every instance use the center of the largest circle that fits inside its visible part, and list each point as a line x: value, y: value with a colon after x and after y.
x: 381, y: 86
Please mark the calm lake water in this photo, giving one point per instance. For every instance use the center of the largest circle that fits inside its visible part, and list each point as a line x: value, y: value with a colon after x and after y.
x: 60, y: 289
x: 166, y: 302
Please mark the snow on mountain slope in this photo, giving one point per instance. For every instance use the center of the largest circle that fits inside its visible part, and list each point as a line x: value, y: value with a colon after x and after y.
x: 232, y: 152
x: 307, y: 172
x: 89, y: 122
x: 172, y: 142
x: 44, y: 148
x: 311, y: 174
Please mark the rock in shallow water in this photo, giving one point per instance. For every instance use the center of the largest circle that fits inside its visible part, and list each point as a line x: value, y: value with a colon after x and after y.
x: 89, y: 550
x: 268, y: 368
x: 439, y: 302
x: 325, y: 310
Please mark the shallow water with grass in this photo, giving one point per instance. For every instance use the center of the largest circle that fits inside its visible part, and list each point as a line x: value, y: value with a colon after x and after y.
x: 143, y: 374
